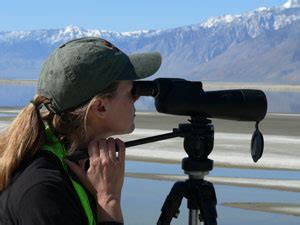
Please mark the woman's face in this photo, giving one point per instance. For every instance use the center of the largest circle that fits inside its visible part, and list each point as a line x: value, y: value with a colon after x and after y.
x: 121, y: 110
x: 115, y: 114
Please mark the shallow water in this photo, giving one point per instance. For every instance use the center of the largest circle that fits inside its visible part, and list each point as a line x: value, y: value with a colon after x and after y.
x: 16, y: 95
x: 6, y: 115
x: 146, y: 167
x: 142, y: 199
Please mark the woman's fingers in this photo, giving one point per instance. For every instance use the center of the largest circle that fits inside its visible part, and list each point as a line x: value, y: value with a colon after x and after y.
x: 111, y: 146
x: 106, y: 149
x: 103, y: 148
x: 94, y: 153
x: 93, y: 149
x: 121, y: 147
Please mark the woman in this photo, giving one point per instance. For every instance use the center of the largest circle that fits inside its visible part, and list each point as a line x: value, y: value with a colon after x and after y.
x: 83, y: 97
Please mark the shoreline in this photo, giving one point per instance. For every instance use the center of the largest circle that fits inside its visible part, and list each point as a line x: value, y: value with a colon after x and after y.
x: 270, y: 184
x: 277, y: 208
x: 217, y: 164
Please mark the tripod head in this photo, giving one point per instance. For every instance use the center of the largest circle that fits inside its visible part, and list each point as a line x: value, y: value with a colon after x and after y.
x: 198, y: 144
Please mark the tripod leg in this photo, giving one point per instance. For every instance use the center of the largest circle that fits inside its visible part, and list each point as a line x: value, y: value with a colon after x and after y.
x: 172, y: 203
x: 204, y: 194
x: 194, y: 217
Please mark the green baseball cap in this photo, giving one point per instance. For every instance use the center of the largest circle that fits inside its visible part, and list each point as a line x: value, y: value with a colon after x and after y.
x: 80, y: 69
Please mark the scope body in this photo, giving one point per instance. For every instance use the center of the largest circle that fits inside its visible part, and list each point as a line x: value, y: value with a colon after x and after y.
x: 182, y: 97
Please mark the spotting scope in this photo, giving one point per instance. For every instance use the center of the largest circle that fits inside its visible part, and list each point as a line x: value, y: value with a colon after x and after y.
x: 187, y: 98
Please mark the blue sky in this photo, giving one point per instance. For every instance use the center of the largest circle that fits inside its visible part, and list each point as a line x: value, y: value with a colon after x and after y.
x: 118, y: 15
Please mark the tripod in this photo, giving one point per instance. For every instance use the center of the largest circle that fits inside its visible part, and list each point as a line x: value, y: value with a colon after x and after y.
x: 200, y: 194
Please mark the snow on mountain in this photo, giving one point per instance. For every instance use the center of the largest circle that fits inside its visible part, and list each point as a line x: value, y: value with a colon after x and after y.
x: 54, y: 36
x: 255, y: 21
x: 260, y: 19
x: 291, y: 4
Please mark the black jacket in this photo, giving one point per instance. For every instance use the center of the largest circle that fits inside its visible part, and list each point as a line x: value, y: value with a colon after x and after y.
x: 42, y: 193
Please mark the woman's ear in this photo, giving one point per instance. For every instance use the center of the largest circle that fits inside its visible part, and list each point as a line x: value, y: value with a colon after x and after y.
x: 99, y: 107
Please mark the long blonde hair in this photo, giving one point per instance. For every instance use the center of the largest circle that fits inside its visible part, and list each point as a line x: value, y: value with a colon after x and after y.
x: 26, y: 134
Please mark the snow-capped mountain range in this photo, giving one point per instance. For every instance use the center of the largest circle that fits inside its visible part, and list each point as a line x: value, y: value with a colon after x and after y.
x: 258, y: 46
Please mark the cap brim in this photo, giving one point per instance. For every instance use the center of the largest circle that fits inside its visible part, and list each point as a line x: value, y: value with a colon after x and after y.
x: 144, y: 64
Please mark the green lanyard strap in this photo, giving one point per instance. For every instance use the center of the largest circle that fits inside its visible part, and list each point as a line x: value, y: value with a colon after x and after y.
x: 59, y: 150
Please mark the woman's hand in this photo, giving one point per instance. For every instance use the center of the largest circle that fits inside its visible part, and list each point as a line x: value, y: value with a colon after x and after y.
x: 105, y: 176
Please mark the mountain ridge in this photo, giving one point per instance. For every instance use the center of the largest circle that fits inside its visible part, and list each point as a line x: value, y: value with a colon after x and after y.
x: 204, y: 51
